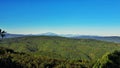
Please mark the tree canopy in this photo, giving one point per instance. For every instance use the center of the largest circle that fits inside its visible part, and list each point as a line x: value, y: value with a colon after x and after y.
x: 109, y: 60
x: 2, y: 33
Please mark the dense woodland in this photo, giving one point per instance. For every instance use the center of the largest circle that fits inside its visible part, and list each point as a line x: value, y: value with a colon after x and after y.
x: 58, y: 52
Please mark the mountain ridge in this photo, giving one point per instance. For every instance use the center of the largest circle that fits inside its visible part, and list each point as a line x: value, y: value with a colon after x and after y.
x: 115, y: 39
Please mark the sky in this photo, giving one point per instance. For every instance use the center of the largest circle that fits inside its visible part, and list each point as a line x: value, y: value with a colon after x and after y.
x: 85, y: 17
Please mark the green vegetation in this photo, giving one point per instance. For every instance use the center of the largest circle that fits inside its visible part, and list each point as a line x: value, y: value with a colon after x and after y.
x: 59, y: 52
x: 11, y: 59
x: 109, y: 60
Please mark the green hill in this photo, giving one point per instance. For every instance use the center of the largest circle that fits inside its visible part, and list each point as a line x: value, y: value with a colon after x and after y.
x: 73, y: 50
x: 109, y: 60
x: 11, y: 59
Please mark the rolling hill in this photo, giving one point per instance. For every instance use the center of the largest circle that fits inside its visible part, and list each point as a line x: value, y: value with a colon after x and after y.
x: 60, y: 47
x: 72, y: 50
x: 115, y: 39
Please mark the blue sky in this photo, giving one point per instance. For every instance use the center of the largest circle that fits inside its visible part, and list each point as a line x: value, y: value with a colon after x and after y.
x: 86, y: 17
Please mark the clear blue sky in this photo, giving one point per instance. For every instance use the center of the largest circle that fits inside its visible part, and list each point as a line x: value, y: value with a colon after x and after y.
x: 88, y: 17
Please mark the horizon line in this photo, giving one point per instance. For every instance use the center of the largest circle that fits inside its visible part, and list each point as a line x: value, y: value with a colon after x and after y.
x: 64, y: 34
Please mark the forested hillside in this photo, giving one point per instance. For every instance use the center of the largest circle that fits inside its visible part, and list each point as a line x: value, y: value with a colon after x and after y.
x: 58, y: 51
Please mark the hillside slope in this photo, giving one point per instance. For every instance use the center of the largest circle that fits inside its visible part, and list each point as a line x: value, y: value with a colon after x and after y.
x: 60, y: 47
x: 115, y: 39
x: 11, y: 59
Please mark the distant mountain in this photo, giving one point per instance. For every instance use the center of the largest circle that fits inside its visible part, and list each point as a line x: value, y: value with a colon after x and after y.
x: 115, y: 39
x: 8, y: 35
x: 68, y: 35
x: 49, y: 34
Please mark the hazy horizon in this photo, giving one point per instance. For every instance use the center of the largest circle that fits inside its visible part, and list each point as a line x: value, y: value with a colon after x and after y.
x: 60, y: 34
x: 84, y: 17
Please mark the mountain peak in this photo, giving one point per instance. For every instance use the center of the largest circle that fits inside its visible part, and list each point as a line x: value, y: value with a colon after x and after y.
x: 49, y: 34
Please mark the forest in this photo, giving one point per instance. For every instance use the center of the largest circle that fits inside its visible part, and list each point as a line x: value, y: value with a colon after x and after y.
x: 58, y: 52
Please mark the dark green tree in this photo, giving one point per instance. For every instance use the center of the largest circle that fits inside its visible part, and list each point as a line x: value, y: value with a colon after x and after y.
x: 2, y: 33
x: 109, y: 60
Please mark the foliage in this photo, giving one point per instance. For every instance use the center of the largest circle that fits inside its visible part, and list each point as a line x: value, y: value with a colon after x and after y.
x: 11, y: 59
x: 58, y: 52
x: 2, y: 33
x: 109, y: 60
